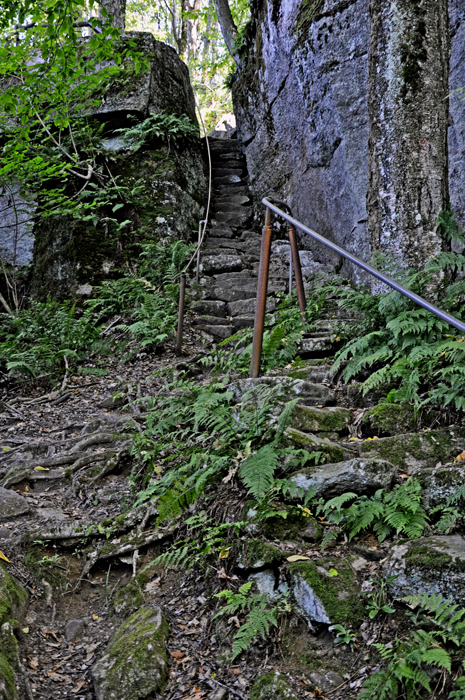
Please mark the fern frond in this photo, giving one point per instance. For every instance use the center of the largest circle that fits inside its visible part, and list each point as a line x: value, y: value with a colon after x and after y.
x: 257, y: 471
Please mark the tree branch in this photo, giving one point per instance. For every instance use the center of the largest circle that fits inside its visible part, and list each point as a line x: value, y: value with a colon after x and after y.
x: 228, y: 27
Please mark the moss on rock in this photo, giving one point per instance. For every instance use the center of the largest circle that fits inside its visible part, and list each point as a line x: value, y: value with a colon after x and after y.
x: 311, y: 420
x: 387, y: 419
x: 131, y: 597
x: 135, y: 666
x: 256, y: 554
x: 272, y: 686
x: 327, y: 591
x: 13, y: 599
x: 331, y: 450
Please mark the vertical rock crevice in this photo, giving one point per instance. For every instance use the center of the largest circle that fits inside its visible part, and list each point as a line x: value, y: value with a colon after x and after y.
x: 408, y: 115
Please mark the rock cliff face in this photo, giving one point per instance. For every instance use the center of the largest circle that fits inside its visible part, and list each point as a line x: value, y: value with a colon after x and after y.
x: 301, y: 100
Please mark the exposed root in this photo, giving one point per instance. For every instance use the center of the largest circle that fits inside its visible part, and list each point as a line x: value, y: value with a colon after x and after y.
x: 110, y: 465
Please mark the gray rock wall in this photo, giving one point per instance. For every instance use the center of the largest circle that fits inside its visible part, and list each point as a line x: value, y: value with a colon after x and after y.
x: 301, y: 102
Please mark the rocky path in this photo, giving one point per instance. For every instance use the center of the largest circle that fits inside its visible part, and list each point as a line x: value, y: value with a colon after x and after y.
x: 98, y: 621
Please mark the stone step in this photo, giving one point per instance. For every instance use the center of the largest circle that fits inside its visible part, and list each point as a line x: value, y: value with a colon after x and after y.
x: 230, y: 188
x: 222, y: 162
x: 318, y: 347
x: 240, y: 322
x: 234, y: 219
x: 221, y: 332
x: 220, y: 263
x: 210, y: 307
x: 235, y: 155
x: 232, y: 179
x: 231, y: 199
x: 209, y: 321
x: 246, y: 307
x: 232, y: 294
x: 309, y: 394
x: 233, y: 209
x: 221, y: 231
x: 332, y: 419
x: 251, y: 235
x: 314, y: 443
x: 242, y: 277
x: 233, y: 243
x: 224, y: 172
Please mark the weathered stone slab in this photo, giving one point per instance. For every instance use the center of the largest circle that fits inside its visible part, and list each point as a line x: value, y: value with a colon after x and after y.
x: 314, y: 443
x: 414, y: 451
x: 220, y: 263
x: 12, y: 504
x: 361, y: 476
x: 309, y: 393
x: 135, y: 666
x: 272, y: 686
x: 439, y: 483
x: 313, y: 420
x: 429, y: 565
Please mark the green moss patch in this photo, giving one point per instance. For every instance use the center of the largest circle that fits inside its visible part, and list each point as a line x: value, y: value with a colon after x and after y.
x: 13, y: 599
x: 335, y: 586
x: 332, y: 451
x: 256, y: 554
x: 315, y: 420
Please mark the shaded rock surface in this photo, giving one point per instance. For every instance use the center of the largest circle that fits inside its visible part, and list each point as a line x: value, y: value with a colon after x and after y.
x: 360, y: 476
x: 272, y: 686
x: 12, y: 504
x: 430, y: 565
x: 135, y: 665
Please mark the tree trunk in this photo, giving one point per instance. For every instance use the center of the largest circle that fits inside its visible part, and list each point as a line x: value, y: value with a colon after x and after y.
x: 408, y: 112
x: 228, y: 27
x: 117, y: 10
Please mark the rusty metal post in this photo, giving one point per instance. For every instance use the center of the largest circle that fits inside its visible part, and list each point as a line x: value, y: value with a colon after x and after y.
x: 299, y: 283
x: 182, y: 295
x: 262, y: 288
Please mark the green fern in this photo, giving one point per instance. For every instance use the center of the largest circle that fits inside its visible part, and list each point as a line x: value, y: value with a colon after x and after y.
x: 257, y: 471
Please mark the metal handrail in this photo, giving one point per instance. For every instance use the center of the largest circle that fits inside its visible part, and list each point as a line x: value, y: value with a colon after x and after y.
x: 263, y: 281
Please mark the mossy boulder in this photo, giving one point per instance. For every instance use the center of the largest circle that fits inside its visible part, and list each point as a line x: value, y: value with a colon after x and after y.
x: 135, y: 666
x: 13, y: 599
x: 361, y: 476
x: 272, y: 686
x: 327, y: 591
x: 388, y: 419
x: 412, y: 451
x: 313, y: 443
x: 256, y: 554
x: 315, y: 420
x: 429, y: 565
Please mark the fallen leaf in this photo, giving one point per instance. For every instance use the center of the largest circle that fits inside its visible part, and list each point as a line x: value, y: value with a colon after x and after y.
x: 305, y: 511
x: 34, y: 663
x: 95, y: 617
x: 353, y: 438
x: 41, y: 469
x: 2, y: 556
x: 298, y: 557
x: 224, y: 554
x: 235, y: 671
x: 222, y: 574
x: 56, y: 677
x: 25, y: 630
x: 333, y: 572
x: 460, y: 457
x: 176, y: 654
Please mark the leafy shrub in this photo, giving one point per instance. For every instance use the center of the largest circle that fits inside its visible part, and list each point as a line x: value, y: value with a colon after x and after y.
x: 405, y: 348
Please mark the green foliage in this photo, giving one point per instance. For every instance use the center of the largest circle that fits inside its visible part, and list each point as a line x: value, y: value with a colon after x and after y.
x: 377, y: 598
x: 436, y: 640
x: 343, y: 636
x: 207, y: 538
x: 261, y: 615
x: 159, y: 126
x: 398, y: 511
x: 281, y: 340
x: 417, y: 357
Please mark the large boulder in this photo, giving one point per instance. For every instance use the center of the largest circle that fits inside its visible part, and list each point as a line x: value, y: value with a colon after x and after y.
x: 429, y: 565
x: 310, y: 419
x: 360, y: 476
x: 439, y: 483
x: 327, y: 591
x: 135, y: 666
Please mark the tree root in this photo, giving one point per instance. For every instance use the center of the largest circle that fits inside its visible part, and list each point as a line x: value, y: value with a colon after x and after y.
x: 111, y: 463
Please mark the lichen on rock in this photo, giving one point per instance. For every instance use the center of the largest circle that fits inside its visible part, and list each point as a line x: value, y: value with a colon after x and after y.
x: 272, y: 686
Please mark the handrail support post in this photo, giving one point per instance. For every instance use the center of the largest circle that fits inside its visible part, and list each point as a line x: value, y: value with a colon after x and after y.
x: 182, y: 296
x: 299, y: 282
x: 262, y: 288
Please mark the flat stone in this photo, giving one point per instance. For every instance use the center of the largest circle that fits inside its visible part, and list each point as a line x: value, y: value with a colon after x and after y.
x: 239, y: 322
x: 234, y: 294
x: 361, y: 476
x: 51, y: 513
x: 429, y: 565
x: 5, y: 533
x: 219, y: 331
x: 222, y: 230
x: 311, y: 419
x: 413, y: 451
x: 74, y: 629
x: 209, y: 320
x: 210, y: 307
x: 135, y: 666
x: 325, y: 596
x: 220, y: 263
x: 12, y: 504
x: 247, y: 306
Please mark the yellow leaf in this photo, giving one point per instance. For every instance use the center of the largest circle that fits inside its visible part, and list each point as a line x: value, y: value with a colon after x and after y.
x: 305, y: 511
x: 2, y: 556
x: 95, y: 617
x: 460, y: 457
x: 297, y: 557
x: 352, y: 438
x: 41, y: 469
x: 375, y: 437
x: 157, y: 470
x: 25, y: 630
x: 224, y: 554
